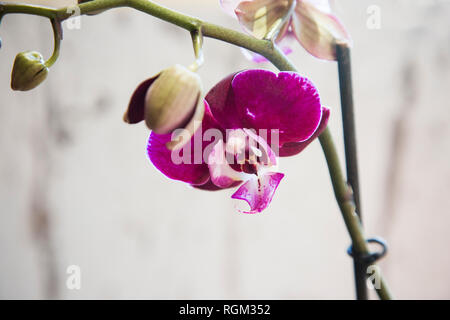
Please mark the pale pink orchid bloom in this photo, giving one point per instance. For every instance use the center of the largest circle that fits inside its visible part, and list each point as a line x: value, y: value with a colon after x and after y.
x: 310, y: 22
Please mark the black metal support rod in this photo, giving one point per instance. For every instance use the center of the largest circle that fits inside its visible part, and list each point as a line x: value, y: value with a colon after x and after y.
x: 351, y: 160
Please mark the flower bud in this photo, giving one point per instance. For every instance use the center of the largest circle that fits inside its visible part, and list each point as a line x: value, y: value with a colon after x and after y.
x: 171, y: 99
x: 29, y: 71
x: 167, y: 101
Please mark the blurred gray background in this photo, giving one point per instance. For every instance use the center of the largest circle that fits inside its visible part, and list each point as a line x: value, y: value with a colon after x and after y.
x: 76, y: 187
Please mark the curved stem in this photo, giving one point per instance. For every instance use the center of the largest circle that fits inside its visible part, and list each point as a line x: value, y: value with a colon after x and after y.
x: 263, y: 47
x: 344, y: 197
x: 266, y: 48
x: 6, y: 8
x: 57, y: 33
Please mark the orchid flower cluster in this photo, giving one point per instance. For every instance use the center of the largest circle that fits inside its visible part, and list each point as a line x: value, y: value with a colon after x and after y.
x: 242, y: 108
x: 245, y: 122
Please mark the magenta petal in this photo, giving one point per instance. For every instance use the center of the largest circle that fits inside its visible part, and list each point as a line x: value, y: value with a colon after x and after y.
x: 292, y: 148
x: 194, y: 172
x: 259, y: 191
x: 260, y: 99
x: 287, y: 102
x: 160, y: 156
x: 221, y: 101
x: 136, y: 107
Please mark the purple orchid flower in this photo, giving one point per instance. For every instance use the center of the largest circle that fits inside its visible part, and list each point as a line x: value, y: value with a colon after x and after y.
x: 249, y: 103
x: 310, y: 22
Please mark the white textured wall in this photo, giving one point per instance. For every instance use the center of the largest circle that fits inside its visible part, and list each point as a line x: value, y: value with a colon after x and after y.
x: 76, y: 186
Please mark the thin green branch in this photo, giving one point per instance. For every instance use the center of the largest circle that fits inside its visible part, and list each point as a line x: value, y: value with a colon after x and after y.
x: 57, y: 33
x: 344, y: 197
x: 263, y: 47
x: 351, y: 159
x: 342, y: 191
x: 8, y: 8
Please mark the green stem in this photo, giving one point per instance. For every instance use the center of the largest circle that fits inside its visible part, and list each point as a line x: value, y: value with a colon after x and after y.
x: 266, y: 48
x: 351, y: 159
x: 7, y: 8
x: 344, y: 197
x: 57, y: 33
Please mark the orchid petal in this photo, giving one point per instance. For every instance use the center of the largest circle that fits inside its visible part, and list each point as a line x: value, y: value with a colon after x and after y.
x: 136, y: 107
x: 286, y: 102
x: 194, y: 170
x: 259, y: 191
x: 292, y: 148
x: 248, y: 99
x: 318, y: 31
x: 160, y: 156
x: 260, y: 99
x: 221, y: 101
x: 259, y: 16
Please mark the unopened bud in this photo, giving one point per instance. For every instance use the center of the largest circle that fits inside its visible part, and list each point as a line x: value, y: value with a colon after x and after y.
x: 171, y: 99
x: 29, y: 71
